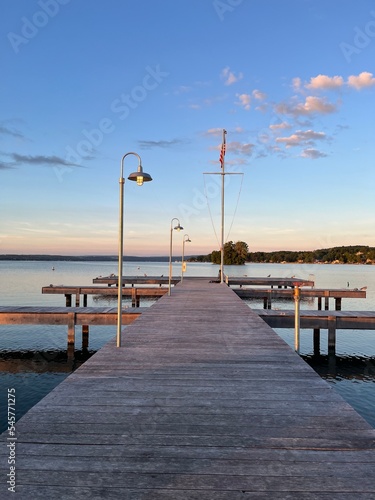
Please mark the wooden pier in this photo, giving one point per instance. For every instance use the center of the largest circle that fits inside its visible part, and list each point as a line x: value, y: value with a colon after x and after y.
x: 203, y: 401
x: 72, y: 317
x: 136, y: 280
x: 317, y: 320
x: 270, y: 294
x: 84, y: 291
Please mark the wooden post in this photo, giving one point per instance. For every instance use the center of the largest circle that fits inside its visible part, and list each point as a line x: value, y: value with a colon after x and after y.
x: 85, y: 300
x: 265, y: 303
x: 68, y: 300
x: 331, y: 334
x: 316, y: 341
x: 326, y: 303
x: 70, y: 352
x: 77, y: 299
x: 85, y: 336
x: 319, y: 303
x: 71, y: 328
x: 134, y: 297
x: 338, y: 303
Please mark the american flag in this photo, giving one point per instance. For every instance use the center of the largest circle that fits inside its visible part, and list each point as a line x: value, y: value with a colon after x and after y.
x: 223, y: 149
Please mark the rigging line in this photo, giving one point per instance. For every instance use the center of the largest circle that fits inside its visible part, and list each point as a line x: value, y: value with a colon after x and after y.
x: 209, y: 210
x: 235, y: 210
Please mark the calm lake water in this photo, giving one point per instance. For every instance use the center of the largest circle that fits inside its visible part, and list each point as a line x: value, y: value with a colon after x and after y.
x: 33, y: 357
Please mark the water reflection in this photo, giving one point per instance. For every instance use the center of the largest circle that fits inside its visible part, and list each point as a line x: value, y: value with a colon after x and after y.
x: 343, y: 367
x: 42, y: 361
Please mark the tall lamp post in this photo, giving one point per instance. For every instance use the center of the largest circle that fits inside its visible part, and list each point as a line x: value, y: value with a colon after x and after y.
x: 187, y: 240
x: 176, y: 228
x: 139, y: 177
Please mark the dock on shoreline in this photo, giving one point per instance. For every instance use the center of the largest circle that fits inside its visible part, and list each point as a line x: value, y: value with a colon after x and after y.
x: 204, y: 400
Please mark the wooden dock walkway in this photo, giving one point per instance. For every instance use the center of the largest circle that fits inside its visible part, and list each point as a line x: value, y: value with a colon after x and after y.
x: 203, y: 401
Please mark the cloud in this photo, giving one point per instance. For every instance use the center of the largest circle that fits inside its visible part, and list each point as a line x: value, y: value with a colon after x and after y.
x: 5, y: 166
x: 280, y: 126
x: 312, y: 154
x: 159, y: 144
x: 182, y: 89
x: 364, y: 79
x: 7, y: 131
x: 312, y: 105
x: 240, y: 148
x: 42, y: 160
x: 244, y: 100
x: 301, y: 137
x: 229, y: 77
x: 296, y: 84
x: 214, y: 132
x: 257, y: 94
x: 325, y: 82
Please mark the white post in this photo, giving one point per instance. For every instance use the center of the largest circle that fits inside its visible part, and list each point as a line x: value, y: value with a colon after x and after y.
x: 297, y: 296
x: 140, y: 177
x: 177, y: 228
x: 120, y: 256
x: 223, y: 146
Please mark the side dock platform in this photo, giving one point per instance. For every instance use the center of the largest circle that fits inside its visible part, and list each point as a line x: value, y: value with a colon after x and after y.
x: 202, y: 401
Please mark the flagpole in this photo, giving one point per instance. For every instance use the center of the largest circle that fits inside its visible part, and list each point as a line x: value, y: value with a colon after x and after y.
x: 223, y: 174
x: 222, y: 156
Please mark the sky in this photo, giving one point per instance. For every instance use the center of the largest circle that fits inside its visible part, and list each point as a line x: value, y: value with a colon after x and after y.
x: 84, y: 83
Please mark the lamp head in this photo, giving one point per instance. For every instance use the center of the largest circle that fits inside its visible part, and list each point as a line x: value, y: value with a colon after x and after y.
x: 178, y: 227
x: 139, y: 176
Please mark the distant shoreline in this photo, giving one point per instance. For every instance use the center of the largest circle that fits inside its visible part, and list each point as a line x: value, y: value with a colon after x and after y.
x: 133, y: 258
x: 81, y: 258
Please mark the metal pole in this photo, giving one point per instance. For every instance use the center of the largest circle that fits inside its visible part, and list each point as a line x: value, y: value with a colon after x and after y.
x: 121, y: 242
x: 170, y: 260
x: 120, y: 255
x: 297, y: 296
x: 222, y: 211
x: 178, y: 228
x: 182, y: 259
x: 183, y: 267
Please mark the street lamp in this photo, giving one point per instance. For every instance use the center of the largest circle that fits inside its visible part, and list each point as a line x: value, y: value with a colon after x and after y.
x: 177, y: 228
x: 188, y: 240
x: 139, y: 177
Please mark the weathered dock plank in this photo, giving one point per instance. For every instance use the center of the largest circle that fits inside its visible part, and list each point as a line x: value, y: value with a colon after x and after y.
x: 203, y: 401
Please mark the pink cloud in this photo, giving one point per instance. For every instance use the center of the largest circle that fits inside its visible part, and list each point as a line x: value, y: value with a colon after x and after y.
x: 325, y: 82
x: 364, y: 79
x: 245, y: 100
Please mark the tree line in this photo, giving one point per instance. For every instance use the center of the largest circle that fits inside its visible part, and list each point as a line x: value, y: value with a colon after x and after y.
x: 238, y: 253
